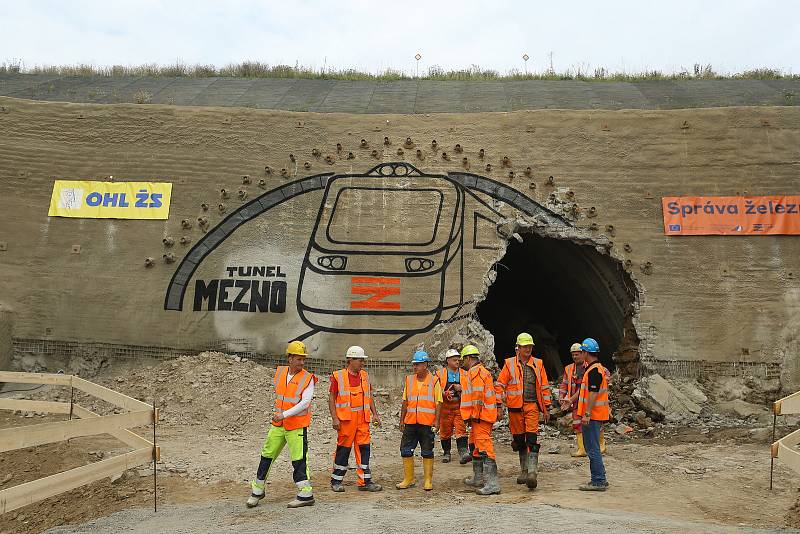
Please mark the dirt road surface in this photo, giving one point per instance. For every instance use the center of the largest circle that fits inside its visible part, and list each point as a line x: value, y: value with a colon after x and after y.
x: 681, y: 479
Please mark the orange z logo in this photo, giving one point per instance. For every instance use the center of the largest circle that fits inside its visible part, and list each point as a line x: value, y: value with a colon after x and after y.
x: 378, y: 292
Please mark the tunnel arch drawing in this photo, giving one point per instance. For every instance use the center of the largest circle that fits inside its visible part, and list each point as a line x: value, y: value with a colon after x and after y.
x: 378, y: 264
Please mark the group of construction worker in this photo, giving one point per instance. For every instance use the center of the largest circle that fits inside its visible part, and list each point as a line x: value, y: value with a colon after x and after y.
x: 462, y: 400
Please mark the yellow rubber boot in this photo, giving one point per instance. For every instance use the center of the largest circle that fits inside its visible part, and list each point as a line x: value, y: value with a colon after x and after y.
x: 581, y: 452
x: 427, y: 469
x: 408, y: 474
x: 602, y: 441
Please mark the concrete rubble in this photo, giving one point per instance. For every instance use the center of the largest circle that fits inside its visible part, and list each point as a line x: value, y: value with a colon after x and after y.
x: 658, y: 396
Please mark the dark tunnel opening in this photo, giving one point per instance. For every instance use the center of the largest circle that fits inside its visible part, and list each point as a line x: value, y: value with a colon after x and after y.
x: 561, y: 292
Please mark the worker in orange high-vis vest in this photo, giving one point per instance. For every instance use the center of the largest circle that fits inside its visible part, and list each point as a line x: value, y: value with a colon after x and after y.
x: 594, y: 409
x: 352, y: 409
x: 570, y: 387
x: 419, y: 419
x: 527, y: 396
x: 479, y: 410
x: 451, y: 377
x: 294, y: 391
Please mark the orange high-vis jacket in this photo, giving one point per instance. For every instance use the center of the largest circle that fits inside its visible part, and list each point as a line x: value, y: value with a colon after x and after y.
x: 569, y: 374
x: 601, y: 411
x: 511, y: 379
x: 441, y: 374
x: 421, y: 407
x: 478, y: 399
x: 349, y: 400
x: 288, y: 394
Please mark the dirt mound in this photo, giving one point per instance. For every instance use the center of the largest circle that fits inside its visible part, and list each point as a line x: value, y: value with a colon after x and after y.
x: 212, y: 390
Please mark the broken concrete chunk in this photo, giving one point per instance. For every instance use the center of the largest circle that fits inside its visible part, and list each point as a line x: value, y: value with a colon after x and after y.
x: 739, y: 408
x: 691, y: 389
x: 656, y: 395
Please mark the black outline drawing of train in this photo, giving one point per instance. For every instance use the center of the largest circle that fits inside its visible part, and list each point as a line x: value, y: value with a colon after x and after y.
x: 426, y: 269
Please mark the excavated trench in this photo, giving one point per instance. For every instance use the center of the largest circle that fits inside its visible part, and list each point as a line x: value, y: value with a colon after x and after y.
x: 561, y: 291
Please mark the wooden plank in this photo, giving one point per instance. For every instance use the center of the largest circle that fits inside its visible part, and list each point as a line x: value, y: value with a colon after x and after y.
x: 109, y: 395
x: 789, y: 457
x: 34, y: 406
x: 127, y: 437
x: 790, y: 440
x: 35, y: 378
x: 37, y: 490
x: 33, y: 435
x: 788, y: 405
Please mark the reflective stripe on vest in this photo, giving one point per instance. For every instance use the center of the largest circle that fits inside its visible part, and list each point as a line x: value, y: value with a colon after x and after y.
x: 478, y: 401
x: 421, y: 405
x: 601, y: 410
x: 515, y: 388
x: 344, y: 408
x: 288, y: 394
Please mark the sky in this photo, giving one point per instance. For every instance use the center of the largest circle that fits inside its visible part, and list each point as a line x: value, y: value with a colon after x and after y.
x: 629, y: 36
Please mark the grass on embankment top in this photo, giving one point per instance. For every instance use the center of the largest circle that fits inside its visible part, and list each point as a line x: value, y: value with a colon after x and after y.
x: 254, y: 69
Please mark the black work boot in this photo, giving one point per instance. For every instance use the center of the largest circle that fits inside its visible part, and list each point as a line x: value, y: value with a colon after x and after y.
x: 447, y: 444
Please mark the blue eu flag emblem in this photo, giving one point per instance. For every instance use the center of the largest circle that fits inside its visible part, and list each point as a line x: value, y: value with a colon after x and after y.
x: 674, y: 227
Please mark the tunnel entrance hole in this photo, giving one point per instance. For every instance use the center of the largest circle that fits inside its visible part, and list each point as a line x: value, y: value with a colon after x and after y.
x: 561, y: 291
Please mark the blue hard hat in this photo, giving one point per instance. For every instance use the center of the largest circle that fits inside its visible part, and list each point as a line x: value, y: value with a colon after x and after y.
x: 420, y: 357
x: 590, y: 345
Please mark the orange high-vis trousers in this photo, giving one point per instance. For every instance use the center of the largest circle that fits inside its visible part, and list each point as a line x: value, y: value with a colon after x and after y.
x: 481, y: 436
x: 451, y: 424
x: 354, y: 434
x: 526, y: 421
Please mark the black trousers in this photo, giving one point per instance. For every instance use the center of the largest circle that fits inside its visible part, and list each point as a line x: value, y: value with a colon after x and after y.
x: 414, y: 435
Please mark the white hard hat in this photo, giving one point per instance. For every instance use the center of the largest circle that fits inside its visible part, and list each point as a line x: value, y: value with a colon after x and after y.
x: 576, y: 347
x: 356, y: 352
x: 451, y: 353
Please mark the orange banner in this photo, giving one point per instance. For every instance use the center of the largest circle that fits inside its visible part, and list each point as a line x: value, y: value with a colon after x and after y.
x: 731, y: 215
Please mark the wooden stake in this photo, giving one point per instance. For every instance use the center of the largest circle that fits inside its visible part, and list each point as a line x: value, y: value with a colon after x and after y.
x: 155, y: 459
x: 772, y: 456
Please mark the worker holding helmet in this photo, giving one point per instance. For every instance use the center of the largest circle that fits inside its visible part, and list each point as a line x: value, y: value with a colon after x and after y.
x: 527, y: 396
x: 479, y: 410
x: 352, y: 408
x: 451, y: 378
x: 419, y: 419
x: 294, y: 390
x: 594, y: 410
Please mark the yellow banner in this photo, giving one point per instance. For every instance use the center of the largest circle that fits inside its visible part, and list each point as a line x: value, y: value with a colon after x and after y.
x: 110, y: 200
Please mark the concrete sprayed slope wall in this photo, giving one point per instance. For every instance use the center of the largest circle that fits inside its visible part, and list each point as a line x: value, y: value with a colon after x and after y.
x: 717, y: 299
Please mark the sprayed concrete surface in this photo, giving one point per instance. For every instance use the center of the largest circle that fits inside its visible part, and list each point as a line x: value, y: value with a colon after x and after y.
x: 692, y: 300
x: 402, y: 96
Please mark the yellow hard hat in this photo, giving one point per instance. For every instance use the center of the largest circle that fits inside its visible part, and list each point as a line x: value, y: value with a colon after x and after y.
x: 297, y: 348
x: 524, y: 339
x: 470, y: 350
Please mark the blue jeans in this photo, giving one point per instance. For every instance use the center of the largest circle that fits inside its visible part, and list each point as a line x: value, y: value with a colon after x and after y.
x: 591, y: 442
